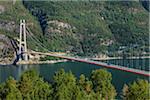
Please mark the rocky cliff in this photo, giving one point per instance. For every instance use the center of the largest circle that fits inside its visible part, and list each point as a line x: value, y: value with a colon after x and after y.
x: 10, y: 15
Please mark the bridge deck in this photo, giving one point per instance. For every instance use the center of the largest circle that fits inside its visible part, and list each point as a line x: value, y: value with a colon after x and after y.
x: 135, y: 71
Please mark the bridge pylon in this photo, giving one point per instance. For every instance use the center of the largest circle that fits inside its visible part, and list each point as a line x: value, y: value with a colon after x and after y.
x: 23, y: 41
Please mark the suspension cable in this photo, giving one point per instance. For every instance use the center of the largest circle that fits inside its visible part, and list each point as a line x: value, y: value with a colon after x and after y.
x: 36, y: 40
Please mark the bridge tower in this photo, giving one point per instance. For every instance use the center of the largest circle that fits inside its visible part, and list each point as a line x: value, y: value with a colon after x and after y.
x: 23, y: 41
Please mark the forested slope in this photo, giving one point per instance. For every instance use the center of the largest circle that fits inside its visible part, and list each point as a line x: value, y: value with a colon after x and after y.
x: 92, y: 27
x: 10, y: 15
x: 81, y: 27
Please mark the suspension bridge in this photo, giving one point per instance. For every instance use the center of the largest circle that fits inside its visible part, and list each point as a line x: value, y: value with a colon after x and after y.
x: 23, y: 53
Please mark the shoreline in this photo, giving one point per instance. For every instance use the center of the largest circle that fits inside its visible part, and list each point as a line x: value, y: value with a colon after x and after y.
x: 36, y: 62
x: 41, y: 62
x: 113, y: 58
x: 64, y: 60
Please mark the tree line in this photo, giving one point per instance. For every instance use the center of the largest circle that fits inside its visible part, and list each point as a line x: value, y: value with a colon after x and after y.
x: 65, y: 86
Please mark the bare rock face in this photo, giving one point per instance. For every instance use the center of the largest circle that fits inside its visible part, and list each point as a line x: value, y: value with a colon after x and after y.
x: 8, y: 25
x: 6, y: 50
x: 2, y: 9
x: 58, y: 26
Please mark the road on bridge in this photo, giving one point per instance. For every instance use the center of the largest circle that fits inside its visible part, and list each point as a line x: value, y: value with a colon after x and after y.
x: 135, y: 71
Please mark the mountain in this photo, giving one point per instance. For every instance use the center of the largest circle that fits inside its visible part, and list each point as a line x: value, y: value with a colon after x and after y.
x: 86, y: 28
x: 92, y: 27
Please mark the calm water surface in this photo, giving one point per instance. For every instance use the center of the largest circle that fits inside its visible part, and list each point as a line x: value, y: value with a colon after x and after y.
x: 47, y: 71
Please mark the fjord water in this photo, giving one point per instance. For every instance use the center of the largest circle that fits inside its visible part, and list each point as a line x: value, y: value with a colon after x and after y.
x: 119, y: 78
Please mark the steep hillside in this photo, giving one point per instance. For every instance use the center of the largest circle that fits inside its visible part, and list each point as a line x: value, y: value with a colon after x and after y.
x: 85, y: 27
x: 92, y: 27
x: 10, y: 15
